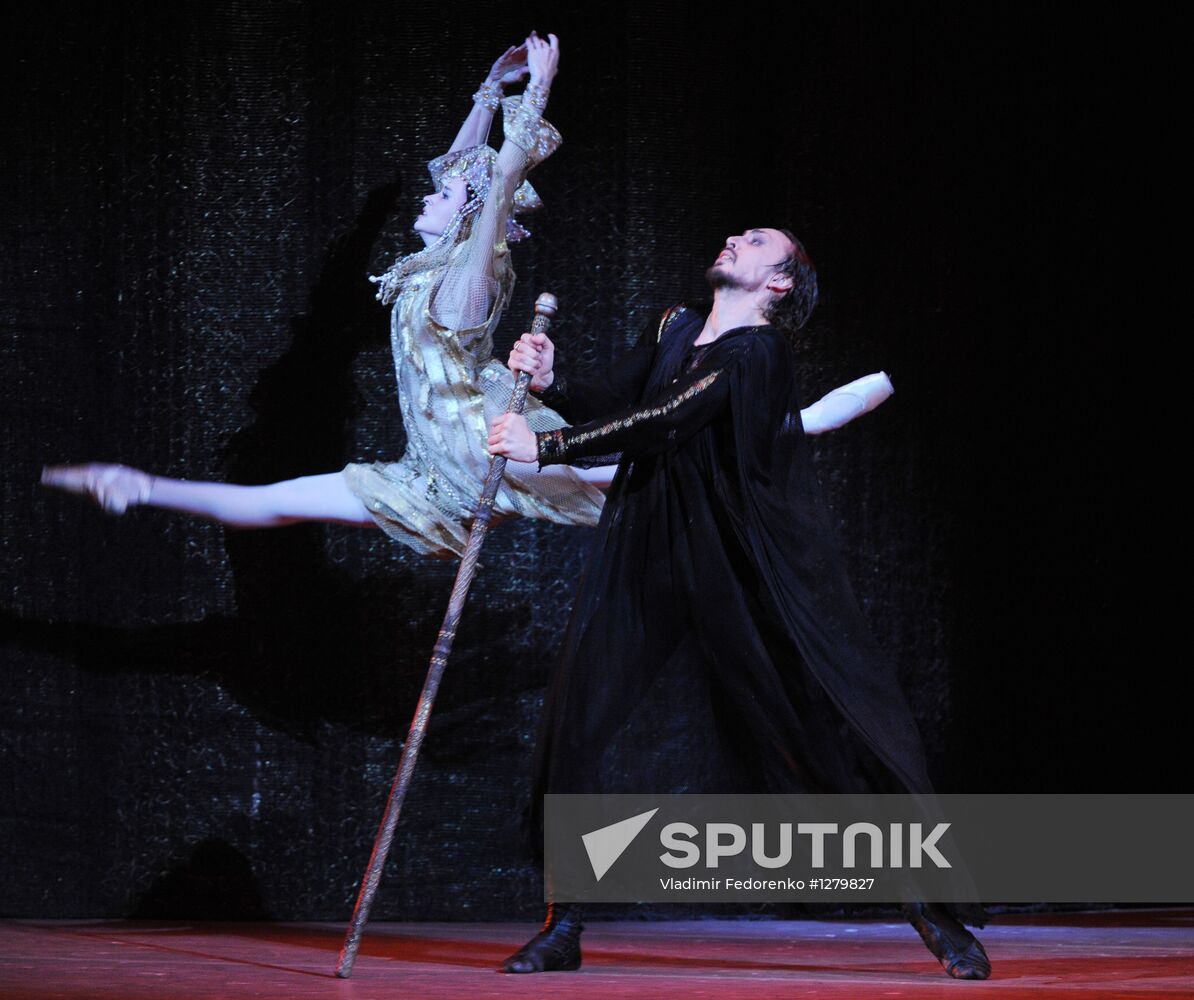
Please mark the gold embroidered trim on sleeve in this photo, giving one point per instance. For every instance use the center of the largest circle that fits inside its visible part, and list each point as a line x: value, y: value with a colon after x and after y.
x: 638, y: 416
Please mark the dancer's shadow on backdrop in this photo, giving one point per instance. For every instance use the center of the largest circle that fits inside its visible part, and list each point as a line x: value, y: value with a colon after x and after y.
x: 311, y: 643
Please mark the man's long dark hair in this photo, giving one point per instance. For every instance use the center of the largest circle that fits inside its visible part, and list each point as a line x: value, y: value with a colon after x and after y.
x: 792, y: 312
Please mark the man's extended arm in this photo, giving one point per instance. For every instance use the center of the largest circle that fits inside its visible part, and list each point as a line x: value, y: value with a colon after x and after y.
x: 646, y: 428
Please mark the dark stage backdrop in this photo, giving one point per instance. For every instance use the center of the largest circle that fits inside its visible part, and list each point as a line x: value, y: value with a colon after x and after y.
x: 200, y: 722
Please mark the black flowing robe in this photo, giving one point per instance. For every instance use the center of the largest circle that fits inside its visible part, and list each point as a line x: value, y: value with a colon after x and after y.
x: 714, y: 545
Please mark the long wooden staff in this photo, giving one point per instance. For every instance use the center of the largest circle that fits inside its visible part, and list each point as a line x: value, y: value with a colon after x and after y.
x: 545, y: 309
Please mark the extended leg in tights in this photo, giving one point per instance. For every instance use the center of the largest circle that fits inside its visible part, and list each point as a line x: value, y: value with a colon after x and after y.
x: 308, y: 498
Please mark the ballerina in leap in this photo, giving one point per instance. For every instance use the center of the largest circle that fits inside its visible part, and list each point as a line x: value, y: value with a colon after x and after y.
x: 446, y: 302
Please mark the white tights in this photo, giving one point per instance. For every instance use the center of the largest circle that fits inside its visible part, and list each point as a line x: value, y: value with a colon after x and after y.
x: 308, y: 498
x: 324, y: 498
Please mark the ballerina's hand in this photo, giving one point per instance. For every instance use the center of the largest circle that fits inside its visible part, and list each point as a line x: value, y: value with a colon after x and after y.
x: 534, y: 354
x: 511, y: 65
x: 510, y: 435
x: 543, y: 57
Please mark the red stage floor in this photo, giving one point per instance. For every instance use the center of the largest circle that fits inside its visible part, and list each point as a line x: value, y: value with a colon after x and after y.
x: 1123, y: 954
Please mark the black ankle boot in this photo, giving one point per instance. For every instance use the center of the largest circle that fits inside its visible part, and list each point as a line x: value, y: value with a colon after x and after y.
x: 958, y: 951
x: 556, y: 948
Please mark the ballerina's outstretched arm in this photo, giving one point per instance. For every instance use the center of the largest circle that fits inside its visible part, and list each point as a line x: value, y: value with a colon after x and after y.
x: 469, y: 289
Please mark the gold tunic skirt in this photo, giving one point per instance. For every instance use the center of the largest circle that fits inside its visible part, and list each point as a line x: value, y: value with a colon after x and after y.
x: 450, y: 387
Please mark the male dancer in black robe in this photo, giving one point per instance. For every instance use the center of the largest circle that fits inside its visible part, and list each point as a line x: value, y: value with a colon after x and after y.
x: 715, y: 546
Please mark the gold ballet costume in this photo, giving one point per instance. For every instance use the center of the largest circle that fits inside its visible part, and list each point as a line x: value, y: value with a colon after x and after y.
x: 447, y: 301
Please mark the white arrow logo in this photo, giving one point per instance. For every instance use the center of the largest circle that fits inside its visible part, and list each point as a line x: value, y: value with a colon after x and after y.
x: 606, y: 845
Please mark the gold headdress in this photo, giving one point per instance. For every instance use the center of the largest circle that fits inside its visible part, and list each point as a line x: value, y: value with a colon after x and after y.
x: 476, y: 165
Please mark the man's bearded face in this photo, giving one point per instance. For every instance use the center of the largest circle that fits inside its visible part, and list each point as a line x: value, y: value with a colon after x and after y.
x: 748, y: 261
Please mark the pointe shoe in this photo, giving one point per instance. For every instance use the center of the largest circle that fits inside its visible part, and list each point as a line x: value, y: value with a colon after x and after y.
x: 556, y: 948
x: 960, y: 953
x: 116, y: 488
